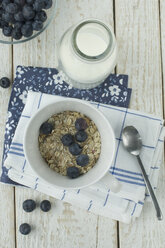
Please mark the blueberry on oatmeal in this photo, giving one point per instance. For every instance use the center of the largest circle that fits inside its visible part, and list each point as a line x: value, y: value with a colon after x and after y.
x: 75, y: 149
x: 81, y: 136
x: 46, y: 128
x: 82, y: 160
x: 73, y: 172
x: 67, y: 139
x: 81, y: 124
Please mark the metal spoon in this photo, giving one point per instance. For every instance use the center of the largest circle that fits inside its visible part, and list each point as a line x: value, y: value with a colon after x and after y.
x: 133, y: 144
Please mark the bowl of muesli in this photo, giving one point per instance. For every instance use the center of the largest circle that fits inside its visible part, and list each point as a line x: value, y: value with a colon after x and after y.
x: 70, y: 144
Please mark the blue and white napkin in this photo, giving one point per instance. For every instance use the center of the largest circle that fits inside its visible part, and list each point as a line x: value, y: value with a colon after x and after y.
x: 124, y: 205
x: 112, y: 91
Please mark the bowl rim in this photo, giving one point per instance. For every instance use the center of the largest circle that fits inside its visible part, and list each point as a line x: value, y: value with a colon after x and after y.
x: 38, y: 112
x: 37, y: 33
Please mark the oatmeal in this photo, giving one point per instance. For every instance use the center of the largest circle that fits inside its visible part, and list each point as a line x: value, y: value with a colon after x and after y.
x: 70, y: 143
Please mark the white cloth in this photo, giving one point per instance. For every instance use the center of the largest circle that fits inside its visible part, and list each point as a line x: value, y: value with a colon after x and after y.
x: 124, y: 205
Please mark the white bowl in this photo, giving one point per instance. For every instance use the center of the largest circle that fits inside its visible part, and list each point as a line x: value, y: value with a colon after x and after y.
x: 41, y: 168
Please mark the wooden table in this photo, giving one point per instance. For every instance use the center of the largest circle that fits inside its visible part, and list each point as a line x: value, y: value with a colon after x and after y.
x: 140, y: 31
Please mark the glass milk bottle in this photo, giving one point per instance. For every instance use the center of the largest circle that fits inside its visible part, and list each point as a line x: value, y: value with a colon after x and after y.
x: 87, y: 53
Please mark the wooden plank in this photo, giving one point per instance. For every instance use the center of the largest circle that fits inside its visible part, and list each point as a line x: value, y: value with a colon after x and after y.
x: 162, y: 25
x: 7, y: 237
x: 138, y: 36
x: 65, y: 226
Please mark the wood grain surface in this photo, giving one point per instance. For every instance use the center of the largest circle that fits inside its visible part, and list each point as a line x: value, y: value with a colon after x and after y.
x: 140, y: 32
x: 138, y: 36
x: 7, y: 218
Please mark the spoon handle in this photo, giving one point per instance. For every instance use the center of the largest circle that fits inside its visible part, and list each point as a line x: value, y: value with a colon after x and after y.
x: 149, y: 187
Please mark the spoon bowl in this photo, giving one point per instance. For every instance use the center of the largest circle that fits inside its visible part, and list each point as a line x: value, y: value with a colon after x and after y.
x: 132, y: 140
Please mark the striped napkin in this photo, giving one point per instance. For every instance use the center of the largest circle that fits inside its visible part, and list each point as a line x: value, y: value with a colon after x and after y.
x: 114, y: 90
x: 125, y: 205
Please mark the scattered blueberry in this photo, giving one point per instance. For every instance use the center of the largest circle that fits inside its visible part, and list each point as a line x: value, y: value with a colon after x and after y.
x: 75, y: 149
x: 4, y: 82
x: 81, y: 124
x: 29, y: 205
x: 45, y: 205
x: 37, y: 25
x: 16, y: 34
x: 46, y: 128
x: 81, y: 136
x: 67, y: 139
x: 19, y: 17
x: 41, y: 16
x: 48, y: 4
x: 27, y: 30
x: 25, y: 229
x: 28, y: 12
x: 82, y: 160
x: 12, y: 8
x: 73, y: 172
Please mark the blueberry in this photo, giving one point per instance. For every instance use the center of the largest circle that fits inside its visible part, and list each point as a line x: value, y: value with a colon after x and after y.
x: 37, y: 25
x: 82, y: 160
x: 7, y: 30
x: 39, y: 5
x: 48, y: 4
x: 3, y: 23
x: 29, y: 205
x: 81, y: 136
x: 29, y: 22
x: 73, y: 172
x: 81, y: 124
x: 25, y: 228
x: 41, y: 16
x: 45, y: 205
x: 46, y: 128
x: 20, y: 2
x: 7, y: 17
x: 16, y: 34
x: 4, y: 82
x: 67, y: 139
x: 27, y: 30
x: 1, y: 12
x: 75, y: 149
x: 19, y: 17
x: 12, y: 8
x: 5, y: 3
x: 30, y: 1
x: 18, y: 25
x: 28, y: 12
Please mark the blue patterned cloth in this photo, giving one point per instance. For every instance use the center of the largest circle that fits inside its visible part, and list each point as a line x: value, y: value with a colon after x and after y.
x: 112, y: 91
